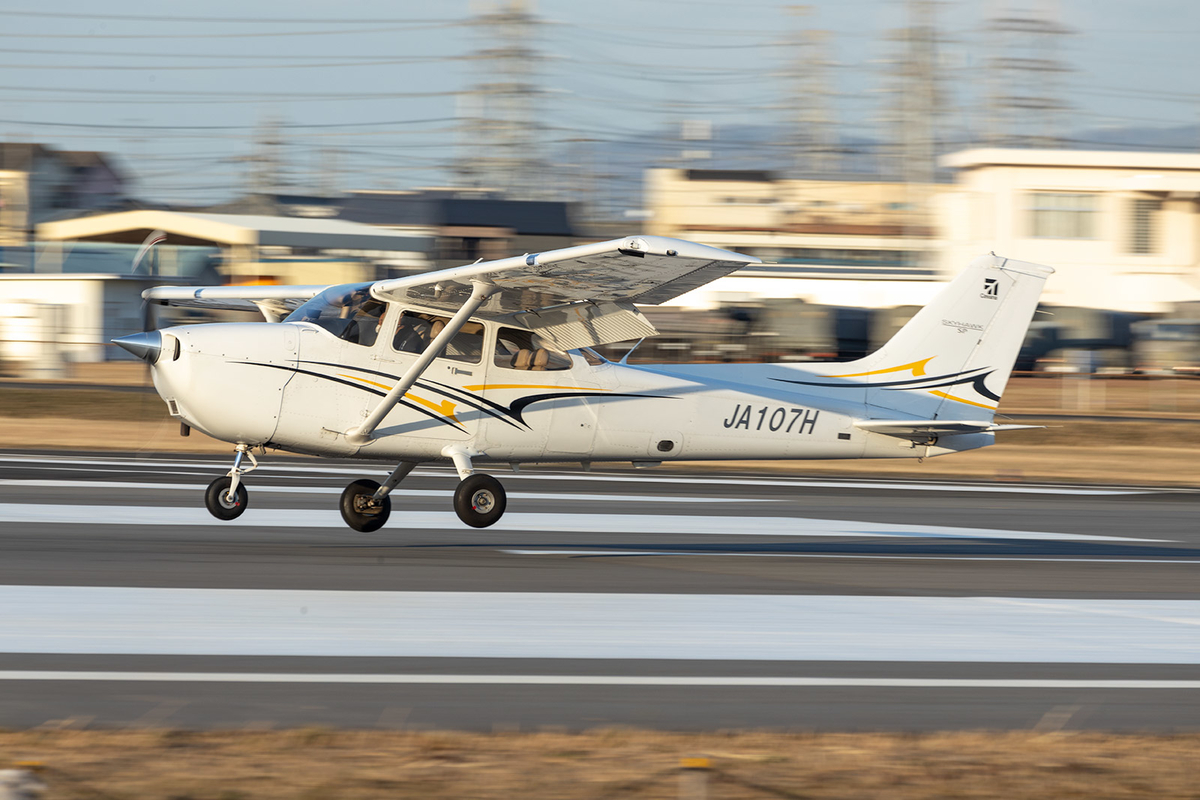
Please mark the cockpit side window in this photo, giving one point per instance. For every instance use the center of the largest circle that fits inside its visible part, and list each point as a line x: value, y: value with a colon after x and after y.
x: 347, y: 311
x: 525, y: 350
x: 415, y: 332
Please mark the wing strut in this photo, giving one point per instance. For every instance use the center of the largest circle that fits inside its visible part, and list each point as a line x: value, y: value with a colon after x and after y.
x: 480, y: 292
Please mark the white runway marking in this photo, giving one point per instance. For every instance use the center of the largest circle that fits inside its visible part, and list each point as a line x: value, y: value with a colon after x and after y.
x: 869, y: 556
x: 401, y: 492
x: 594, y: 680
x: 686, y: 525
x: 143, y: 621
x: 372, y: 469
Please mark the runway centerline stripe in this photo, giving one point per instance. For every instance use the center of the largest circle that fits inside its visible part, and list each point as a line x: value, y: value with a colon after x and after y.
x: 287, y: 622
x: 594, y: 680
x: 858, y: 556
x: 681, y: 524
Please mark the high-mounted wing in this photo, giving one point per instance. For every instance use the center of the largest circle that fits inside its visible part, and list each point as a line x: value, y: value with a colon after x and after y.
x: 577, y: 296
x: 574, y: 297
x: 275, y: 302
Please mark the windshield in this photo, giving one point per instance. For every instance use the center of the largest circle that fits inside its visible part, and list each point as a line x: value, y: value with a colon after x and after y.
x: 347, y: 311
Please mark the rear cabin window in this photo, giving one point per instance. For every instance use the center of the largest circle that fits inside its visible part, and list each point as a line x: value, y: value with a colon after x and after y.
x: 415, y: 332
x: 523, y: 350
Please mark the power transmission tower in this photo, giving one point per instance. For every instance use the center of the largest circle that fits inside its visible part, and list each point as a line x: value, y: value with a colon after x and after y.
x: 502, y: 142
x: 1025, y: 105
x: 814, y: 139
x: 266, y: 164
x: 914, y: 118
x: 917, y: 105
x: 328, y: 174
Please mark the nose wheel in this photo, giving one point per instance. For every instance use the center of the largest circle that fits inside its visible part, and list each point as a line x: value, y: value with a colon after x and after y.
x: 361, y: 510
x: 226, y: 498
x: 222, y: 503
x: 479, y: 500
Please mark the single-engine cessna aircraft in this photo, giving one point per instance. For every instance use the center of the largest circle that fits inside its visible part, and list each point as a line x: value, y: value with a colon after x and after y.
x: 492, y: 362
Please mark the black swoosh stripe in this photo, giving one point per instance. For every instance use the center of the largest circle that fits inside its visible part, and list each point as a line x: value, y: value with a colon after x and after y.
x: 519, y: 405
x: 515, y: 410
x: 887, y: 384
x: 434, y: 386
x: 376, y: 392
x: 494, y: 409
x: 977, y: 383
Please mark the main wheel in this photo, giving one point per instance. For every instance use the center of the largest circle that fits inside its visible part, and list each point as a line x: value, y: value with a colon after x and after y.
x: 479, y: 500
x: 217, y: 502
x: 358, y: 510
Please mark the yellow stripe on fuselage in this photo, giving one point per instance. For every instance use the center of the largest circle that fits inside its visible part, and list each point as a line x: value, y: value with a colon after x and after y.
x: 481, y: 387
x: 445, y: 408
x: 917, y: 367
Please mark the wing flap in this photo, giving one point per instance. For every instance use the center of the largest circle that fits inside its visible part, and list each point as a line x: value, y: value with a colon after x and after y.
x: 587, y: 324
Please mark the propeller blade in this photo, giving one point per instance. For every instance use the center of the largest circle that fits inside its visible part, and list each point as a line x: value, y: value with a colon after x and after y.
x: 155, y: 237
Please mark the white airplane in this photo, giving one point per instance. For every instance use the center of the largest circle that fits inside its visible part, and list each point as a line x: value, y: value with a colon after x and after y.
x: 492, y: 362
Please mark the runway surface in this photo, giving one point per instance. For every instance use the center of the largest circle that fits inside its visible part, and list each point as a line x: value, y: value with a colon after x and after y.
x: 650, y: 598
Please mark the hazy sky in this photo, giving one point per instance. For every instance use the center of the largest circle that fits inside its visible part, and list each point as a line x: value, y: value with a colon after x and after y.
x: 177, y: 89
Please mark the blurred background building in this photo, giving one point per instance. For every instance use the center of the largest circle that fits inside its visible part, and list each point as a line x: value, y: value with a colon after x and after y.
x: 865, y: 152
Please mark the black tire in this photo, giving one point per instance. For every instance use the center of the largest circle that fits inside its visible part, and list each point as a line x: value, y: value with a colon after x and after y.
x: 360, y: 516
x: 480, y: 501
x: 218, y: 506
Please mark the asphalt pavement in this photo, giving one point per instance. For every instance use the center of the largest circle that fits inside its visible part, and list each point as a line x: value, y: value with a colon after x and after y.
x: 655, y: 598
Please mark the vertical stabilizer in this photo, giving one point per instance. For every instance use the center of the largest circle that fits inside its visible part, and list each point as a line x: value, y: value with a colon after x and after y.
x: 953, y: 359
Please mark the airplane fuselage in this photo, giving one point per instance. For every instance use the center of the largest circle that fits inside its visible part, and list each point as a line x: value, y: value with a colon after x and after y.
x: 297, y: 387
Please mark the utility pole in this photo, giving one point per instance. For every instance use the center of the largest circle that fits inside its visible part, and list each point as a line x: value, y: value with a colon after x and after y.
x: 1025, y: 104
x: 502, y: 141
x: 814, y: 139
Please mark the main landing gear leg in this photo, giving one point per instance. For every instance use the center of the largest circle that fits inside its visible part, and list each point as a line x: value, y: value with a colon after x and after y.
x: 365, y: 504
x: 226, y: 497
x: 479, y: 499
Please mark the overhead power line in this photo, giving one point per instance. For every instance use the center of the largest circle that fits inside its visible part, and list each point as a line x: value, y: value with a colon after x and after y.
x: 293, y: 125
x: 224, y: 20
x: 209, y: 67
x: 225, y: 56
x: 238, y: 35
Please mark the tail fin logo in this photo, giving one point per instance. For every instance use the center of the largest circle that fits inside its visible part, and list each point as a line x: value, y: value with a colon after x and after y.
x: 991, y: 289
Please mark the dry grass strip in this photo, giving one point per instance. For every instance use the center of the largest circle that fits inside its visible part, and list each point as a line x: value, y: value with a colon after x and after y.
x: 318, y: 763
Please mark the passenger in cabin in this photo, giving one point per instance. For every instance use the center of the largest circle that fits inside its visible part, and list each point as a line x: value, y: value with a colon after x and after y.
x: 413, y: 334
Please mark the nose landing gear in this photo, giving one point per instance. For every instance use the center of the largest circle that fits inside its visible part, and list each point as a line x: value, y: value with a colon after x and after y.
x: 223, y: 503
x: 226, y: 498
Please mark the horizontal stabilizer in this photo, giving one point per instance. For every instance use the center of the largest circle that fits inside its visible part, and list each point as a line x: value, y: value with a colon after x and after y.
x: 920, y: 429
